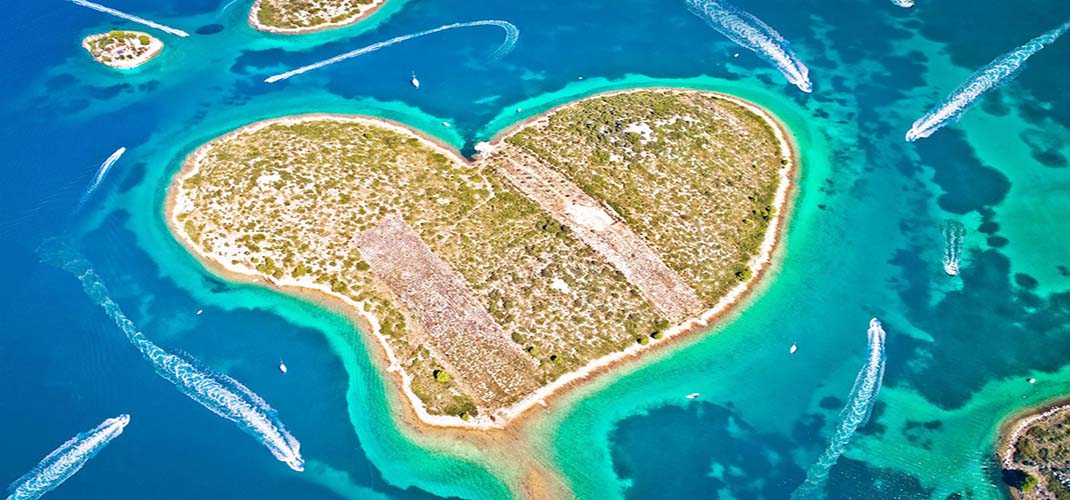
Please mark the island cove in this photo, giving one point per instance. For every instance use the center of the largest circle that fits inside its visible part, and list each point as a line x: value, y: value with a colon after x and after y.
x: 575, y: 241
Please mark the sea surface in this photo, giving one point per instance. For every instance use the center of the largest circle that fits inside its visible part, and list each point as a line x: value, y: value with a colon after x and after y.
x: 864, y: 240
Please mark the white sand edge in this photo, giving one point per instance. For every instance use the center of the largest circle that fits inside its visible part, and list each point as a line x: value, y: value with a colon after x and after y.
x: 501, y: 417
x: 155, y: 48
x: 254, y: 21
x: 1007, y: 455
x: 757, y: 263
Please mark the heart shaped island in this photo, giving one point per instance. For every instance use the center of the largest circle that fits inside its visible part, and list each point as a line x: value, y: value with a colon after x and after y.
x: 576, y: 240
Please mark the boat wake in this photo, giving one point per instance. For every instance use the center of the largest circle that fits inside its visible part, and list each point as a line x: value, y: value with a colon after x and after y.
x: 66, y: 460
x: 997, y: 73
x: 954, y: 236
x: 904, y: 3
x: 225, y: 7
x: 129, y: 17
x: 751, y: 33
x: 512, y: 34
x: 101, y: 172
x: 855, y: 415
x: 221, y: 394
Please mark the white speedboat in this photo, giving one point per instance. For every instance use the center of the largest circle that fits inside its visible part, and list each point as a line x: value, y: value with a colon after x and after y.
x: 951, y: 268
x: 282, y: 367
x: 415, y: 81
x: 794, y: 347
x: 693, y: 395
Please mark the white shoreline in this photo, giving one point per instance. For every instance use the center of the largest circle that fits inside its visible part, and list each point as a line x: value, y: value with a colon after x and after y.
x: 1007, y: 456
x: 500, y: 418
x: 254, y: 21
x: 155, y: 48
x: 757, y: 263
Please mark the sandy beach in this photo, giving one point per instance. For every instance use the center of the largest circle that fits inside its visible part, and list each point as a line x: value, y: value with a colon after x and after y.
x: 1013, y: 426
x: 498, y: 438
x: 155, y: 49
x: 254, y: 21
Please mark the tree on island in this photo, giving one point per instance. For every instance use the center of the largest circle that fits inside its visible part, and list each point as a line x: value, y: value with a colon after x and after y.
x: 1020, y: 479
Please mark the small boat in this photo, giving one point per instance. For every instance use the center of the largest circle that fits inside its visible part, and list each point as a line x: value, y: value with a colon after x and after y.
x: 518, y: 110
x: 200, y: 312
x: 415, y: 81
x: 446, y: 124
x: 951, y: 268
x: 794, y: 347
x: 1031, y: 380
x: 282, y: 367
x: 693, y: 395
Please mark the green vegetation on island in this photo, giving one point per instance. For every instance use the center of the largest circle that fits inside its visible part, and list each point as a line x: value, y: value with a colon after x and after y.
x: 300, y: 16
x: 1040, y: 465
x: 691, y: 173
x: 536, y: 285
x: 122, y: 49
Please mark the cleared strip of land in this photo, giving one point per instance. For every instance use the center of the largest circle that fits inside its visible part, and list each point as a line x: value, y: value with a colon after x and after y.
x: 474, y: 346
x: 575, y: 241
x: 614, y: 241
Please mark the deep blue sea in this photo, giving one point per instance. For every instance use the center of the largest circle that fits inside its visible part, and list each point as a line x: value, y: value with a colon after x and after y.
x: 864, y: 240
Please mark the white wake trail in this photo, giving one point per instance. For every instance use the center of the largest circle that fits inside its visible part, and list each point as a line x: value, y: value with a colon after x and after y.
x: 751, y: 33
x: 66, y: 460
x: 997, y: 73
x: 129, y: 17
x: 954, y: 238
x: 512, y: 34
x: 904, y: 3
x: 221, y: 394
x: 854, y: 415
x: 225, y: 7
x: 101, y: 173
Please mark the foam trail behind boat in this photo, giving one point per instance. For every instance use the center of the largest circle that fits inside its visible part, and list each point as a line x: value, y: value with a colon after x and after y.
x: 511, y: 36
x: 751, y: 33
x: 854, y: 415
x: 219, y: 393
x: 129, y: 17
x: 225, y: 7
x: 904, y: 3
x: 997, y: 73
x: 66, y: 460
x: 101, y: 173
x: 954, y: 237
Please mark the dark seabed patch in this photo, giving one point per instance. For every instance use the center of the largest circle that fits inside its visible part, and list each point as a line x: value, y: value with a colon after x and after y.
x: 209, y: 29
x: 967, y: 183
x: 854, y: 480
x: 700, y: 451
x: 135, y: 173
x: 995, y: 320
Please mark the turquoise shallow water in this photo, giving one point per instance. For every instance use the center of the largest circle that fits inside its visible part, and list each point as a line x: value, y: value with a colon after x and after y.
x: 864, y: 240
